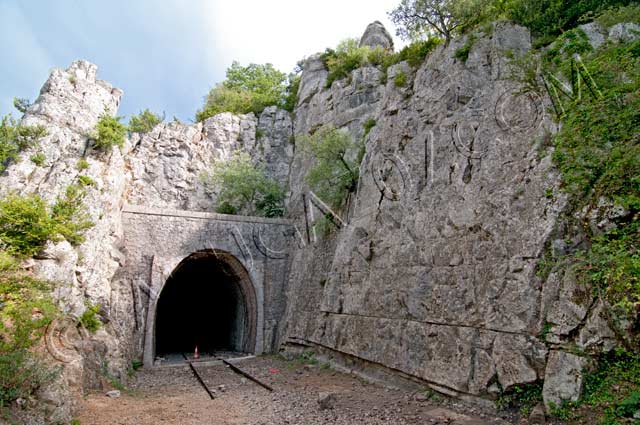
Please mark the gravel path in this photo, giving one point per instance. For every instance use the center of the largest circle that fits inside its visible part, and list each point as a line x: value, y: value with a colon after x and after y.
x: 171, y: 395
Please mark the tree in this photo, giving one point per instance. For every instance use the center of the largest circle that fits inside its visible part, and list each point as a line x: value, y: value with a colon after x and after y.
x: 247, y: 89
x: 245, y: 187
x: 418, y: 18
x: 110, y: 132
x: 144, y: 122
x: 337, y: 167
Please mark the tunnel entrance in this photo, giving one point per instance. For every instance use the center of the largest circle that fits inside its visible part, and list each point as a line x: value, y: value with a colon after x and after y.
x: 208, y: 301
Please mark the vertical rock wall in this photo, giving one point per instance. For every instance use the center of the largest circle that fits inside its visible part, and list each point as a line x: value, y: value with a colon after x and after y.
x: 435, y: 274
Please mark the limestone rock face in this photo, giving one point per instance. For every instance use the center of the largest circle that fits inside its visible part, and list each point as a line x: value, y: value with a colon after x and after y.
x: 69, y: 106
x: 168, y: 164
x: 376, y: 35
x: 434, y: 272
x: 563, y: 379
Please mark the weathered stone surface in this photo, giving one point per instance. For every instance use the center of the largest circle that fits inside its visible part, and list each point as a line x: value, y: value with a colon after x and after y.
x: 434, y: 273
x: 624, y: 32
x: 167, y: 165
x: 537, y: 415
x: 563, y: 378
x: 376, y: 35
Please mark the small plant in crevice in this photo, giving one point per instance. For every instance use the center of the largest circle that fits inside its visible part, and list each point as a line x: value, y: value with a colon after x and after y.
x: 82, y: 164
x: 400, y: 79
x: 367, y: 126
x: 86, y: 181
x: 463, y: 52
x: 38, y: 158
x: 90, y: 319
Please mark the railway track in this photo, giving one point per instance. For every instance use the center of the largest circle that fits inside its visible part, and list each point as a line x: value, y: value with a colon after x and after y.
x: 229, y: 365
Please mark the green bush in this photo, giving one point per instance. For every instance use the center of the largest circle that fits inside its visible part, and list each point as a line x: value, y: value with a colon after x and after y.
x: 25, y: 224
x: 144, y: 122
x: 344, y: 59
x: 553, y: 17
x: 27, y: 310
x: 368, y: 125
x: 337, y: 164
x: 110, y: 132
x: 14, y: 138
x: 244, y: 186
x: 615, y: 15
x: 90, y: 319
x: 291, y: 94
x: 70, y: 216
x: 247, y: 89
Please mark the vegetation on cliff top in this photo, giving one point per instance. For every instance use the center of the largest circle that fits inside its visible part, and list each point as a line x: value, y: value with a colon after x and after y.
x: 251, y: 88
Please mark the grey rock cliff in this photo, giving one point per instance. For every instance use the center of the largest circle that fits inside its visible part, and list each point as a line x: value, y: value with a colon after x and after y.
x: 435, y: 273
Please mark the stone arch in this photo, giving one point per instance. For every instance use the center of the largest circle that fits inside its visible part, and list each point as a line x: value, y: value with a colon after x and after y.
x: 228, y: 272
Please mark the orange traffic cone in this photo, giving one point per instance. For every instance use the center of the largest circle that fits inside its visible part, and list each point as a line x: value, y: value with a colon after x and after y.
x: 195, y: 354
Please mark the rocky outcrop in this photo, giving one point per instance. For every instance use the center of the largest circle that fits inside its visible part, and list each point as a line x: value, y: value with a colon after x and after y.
x: 167, y: 165
x: 376, y: 35
x: 161, y: 169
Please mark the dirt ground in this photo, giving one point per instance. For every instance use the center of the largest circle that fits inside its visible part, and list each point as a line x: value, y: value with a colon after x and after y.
x: 172, y: 395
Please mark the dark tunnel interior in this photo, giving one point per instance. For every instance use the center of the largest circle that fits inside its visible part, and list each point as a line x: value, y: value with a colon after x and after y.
x: 201, y: 305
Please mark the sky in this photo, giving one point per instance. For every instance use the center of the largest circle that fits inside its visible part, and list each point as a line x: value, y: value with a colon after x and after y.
x: 167, y: 54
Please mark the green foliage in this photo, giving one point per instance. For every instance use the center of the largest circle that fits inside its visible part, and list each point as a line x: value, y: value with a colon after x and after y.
x: 291, y: 94
x: 21, y: 104
x: 522, y: 397
x: 611, y: 391
x: 344, y: 59
x: 144, y: 122
x: 248, y: 89
x: 25, y: 224
x: 82, y: 164
x: 75, y: 421
x: 415, y: 19
x: 69, y: 215
x: 597, y: 148
x: 612, y: 266
x: 244, y: 186
x: 337, y: 163
x: 463, y: 52
x: 400, y: 79
x: 86, y: 181
x: 110, y: 132
x: 90, y: 319
x: 613, y: 15
x: 15, y: 138
x: 38, y: 158
x: 416, y: 52
x: 347, y: 57
x: 26, y: 311
x: 368, y: 125
x: 553, y: 17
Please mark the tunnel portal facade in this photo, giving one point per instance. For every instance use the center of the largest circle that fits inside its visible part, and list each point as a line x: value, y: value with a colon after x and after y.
x: 205, y: 279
